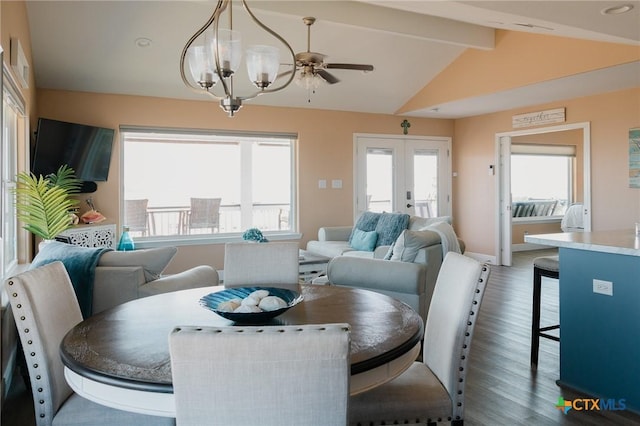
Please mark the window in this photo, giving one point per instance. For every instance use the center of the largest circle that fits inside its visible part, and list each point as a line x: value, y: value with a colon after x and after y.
x: 209, y: 184
x: 14, y: 132
x: 541, y: 180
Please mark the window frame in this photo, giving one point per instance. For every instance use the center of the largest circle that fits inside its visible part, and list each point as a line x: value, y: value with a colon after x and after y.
x: 9, y: 170
x: 568, y: 152
x: 213, y: 134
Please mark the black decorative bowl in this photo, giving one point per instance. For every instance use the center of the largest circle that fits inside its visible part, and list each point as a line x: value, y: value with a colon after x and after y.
x: 212, y: 300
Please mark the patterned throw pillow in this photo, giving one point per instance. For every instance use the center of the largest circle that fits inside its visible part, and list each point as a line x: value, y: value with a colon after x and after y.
x: 366, y: 222
x: 390, y: 226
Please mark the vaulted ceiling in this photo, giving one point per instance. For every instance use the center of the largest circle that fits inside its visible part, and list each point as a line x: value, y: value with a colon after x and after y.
x: 94, y: 46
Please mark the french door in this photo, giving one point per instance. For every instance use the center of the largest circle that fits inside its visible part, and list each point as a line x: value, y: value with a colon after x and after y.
x: 402, y: 174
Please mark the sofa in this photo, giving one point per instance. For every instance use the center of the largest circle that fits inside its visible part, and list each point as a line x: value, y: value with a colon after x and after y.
x: 335, y: 240
x: 405, y: 270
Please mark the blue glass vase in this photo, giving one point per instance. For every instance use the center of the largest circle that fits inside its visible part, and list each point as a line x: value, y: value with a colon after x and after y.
x: 126, y: 242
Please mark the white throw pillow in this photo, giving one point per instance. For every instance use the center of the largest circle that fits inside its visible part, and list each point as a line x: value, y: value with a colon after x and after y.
x: 416, y: 223
x: 153, y: 261
x: 406, y: 247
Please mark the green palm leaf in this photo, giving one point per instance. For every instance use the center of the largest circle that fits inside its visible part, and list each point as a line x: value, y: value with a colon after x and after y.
x: 44, y: 206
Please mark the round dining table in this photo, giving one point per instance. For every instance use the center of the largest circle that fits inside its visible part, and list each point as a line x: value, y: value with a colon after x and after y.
x: 120, y: 357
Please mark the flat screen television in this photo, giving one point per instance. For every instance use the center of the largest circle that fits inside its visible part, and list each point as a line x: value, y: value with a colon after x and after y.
x: 86, y: 149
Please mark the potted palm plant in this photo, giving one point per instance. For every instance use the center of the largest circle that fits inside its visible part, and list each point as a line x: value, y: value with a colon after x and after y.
x: 43, y: 203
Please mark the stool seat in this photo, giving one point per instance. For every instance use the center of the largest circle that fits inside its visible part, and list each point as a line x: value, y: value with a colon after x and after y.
x: 548, y: 263
x: 546, y: 266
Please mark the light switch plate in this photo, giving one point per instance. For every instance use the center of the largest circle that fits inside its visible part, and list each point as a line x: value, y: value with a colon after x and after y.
x: 322, y: 183
x: 336, y: 184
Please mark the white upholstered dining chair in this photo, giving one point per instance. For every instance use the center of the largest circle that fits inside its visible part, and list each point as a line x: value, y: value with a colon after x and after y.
x: 250, y: 263
x: 45, y: 307
x: 271, y: 375
x: 432, y: 390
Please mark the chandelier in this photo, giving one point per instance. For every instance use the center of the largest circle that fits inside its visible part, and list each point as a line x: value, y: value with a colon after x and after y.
x: 213, y: 56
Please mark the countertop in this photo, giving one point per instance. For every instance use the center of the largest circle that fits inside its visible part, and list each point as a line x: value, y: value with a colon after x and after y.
x: 624, y: 241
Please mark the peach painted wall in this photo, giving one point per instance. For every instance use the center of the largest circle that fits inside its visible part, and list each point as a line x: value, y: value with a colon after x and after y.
x: 14, y: 23
x: 518, y: 59
x: 325, y: 149
x: 519, y: 230
x: 614, y: 205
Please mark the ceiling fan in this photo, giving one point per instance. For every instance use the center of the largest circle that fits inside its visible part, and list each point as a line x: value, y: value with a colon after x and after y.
x: 311, y: 64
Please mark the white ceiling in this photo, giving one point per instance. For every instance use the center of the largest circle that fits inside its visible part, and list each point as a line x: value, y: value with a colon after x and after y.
x: 90, y: 46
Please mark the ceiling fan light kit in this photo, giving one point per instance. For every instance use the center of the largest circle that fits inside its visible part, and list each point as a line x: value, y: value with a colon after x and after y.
x: 213, y: 55
x: 313, y: 69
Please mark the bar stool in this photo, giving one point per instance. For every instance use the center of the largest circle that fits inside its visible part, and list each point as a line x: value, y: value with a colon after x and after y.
x: 547, y: 266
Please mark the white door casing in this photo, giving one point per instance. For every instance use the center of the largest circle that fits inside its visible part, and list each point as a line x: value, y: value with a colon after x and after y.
x: 503, y: 183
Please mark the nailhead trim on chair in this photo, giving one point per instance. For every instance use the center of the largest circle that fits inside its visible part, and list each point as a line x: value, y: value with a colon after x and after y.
x: 40, y: 407
x: 475, y: 306
x: 458, y: 408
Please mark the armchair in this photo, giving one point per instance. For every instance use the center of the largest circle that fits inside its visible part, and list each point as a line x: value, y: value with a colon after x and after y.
x: 410, y: 282
x: 115, y: 285
x: 124, y: 276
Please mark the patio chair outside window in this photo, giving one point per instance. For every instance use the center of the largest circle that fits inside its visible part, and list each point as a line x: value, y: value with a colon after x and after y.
x: 136, y: 216
x: 204, y: 214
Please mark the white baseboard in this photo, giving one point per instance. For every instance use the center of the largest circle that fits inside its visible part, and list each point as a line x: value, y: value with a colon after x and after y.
x: 527, y: 247
x: 481, y: 257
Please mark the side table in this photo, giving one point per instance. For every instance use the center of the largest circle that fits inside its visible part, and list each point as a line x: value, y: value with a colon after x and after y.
x: 312, y: 265
x: 98, y: 235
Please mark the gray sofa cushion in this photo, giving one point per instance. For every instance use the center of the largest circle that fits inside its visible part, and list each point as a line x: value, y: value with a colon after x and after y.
x: 329, y: 248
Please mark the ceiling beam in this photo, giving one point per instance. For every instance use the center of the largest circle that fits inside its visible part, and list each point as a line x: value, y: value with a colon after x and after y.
x: 384, y: 19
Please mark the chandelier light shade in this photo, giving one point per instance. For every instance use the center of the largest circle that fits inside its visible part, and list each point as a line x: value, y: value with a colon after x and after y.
x: 213, y: 56
x: 263, y: 63
x: 202, y: 65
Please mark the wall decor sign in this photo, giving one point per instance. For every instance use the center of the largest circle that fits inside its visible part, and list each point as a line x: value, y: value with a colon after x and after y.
x: 538, y: 118
x: 634, y: 158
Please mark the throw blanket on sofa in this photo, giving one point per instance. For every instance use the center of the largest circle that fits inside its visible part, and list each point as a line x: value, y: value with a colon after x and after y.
x: 448, y: 237
x: 80, y: 263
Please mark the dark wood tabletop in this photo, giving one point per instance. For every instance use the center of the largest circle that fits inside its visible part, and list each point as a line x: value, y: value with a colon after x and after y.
x: 127, y: 346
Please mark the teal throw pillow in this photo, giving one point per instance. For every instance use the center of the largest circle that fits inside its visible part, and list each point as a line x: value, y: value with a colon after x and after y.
x: 389, y: 227
x: 366, y: 222
x: 363, y: 240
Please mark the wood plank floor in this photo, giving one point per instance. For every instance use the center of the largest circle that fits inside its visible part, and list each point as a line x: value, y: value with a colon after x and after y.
x: 501, y: 389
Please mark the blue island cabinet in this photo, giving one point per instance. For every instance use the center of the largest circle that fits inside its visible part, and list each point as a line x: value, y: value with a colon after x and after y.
x: 600, y: 333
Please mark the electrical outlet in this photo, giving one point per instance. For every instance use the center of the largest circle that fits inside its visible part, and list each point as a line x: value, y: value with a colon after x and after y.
x: 603, y: 287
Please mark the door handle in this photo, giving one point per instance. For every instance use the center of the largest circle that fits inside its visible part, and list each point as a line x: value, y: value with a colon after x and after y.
x: 409, y: 205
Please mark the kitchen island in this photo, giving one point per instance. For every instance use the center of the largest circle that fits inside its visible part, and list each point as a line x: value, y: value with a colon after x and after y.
x: 599, y: 314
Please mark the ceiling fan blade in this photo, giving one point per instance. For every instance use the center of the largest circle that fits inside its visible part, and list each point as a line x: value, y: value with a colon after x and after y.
x: 357, y: 67
x: 327, y: 76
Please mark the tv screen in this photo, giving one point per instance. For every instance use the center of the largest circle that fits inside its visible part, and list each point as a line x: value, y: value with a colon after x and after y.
x: 86, y: 149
